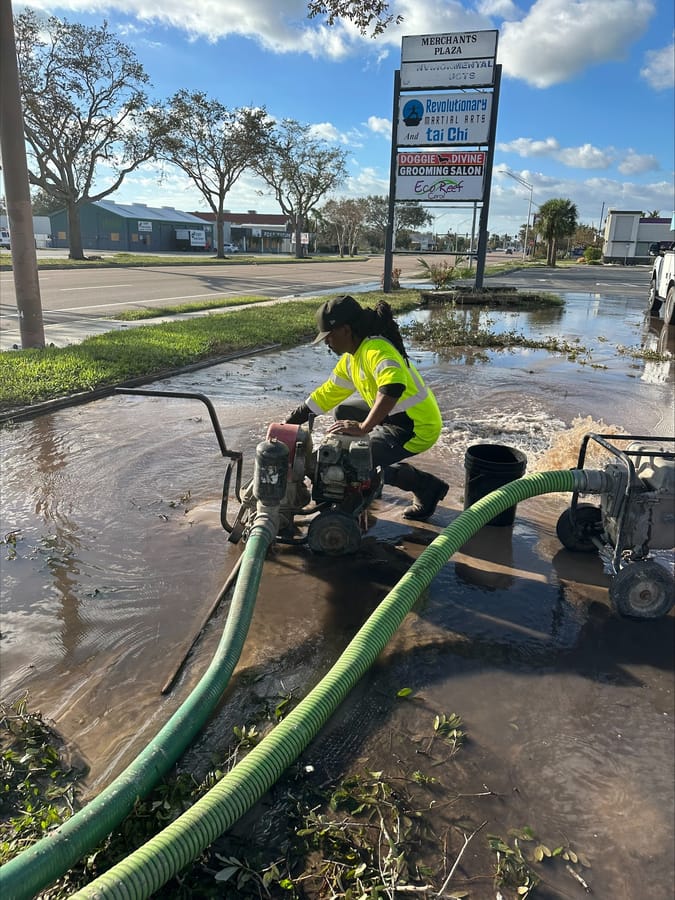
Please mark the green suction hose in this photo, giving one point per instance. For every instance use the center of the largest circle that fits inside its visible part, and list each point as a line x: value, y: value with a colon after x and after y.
x: 41, y: 864
x: 152, y: 865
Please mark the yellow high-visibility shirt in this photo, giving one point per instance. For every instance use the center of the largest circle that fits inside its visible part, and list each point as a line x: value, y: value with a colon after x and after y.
x: 377, y: 363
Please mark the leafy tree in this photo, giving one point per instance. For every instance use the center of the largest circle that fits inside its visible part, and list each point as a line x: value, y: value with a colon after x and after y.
x: 301, y: 170
x: 583, y: 236
x: 407, y: 217
x: 211, y: 144
x: 84, y: 101
x: 345, y: 219
x: 43, y: 204
x: 363, y: 13
x: 557, y: 219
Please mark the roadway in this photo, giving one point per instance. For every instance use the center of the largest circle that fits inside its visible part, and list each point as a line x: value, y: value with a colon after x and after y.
x: 79, y: 302
x: 106, y: 291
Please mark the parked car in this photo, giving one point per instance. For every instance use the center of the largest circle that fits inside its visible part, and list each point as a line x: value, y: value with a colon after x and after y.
x: 4, y: 239
x: 230, y: 248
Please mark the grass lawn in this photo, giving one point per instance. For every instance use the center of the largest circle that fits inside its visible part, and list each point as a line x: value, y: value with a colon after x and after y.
x: 32, y: 376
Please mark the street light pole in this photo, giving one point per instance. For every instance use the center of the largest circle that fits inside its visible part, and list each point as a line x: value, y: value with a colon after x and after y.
x: 529, y: 205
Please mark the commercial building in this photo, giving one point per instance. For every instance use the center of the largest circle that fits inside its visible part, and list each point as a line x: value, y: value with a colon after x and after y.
x: 107, y: 225
x: 254, y: 232
x: 628, y: 235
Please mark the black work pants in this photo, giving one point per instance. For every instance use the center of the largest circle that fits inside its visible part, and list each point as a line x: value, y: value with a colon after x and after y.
x: 386, y: 439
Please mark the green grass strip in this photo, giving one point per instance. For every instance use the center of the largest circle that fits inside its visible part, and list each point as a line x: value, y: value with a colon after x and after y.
x: 153, y: 312
x: 33, y: 376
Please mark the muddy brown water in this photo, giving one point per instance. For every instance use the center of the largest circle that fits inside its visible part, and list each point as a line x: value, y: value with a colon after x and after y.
x: 113, y: 553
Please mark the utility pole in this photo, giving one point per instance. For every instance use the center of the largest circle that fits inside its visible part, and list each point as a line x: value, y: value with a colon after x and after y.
x: 17, y: 191
x: 529, y: 205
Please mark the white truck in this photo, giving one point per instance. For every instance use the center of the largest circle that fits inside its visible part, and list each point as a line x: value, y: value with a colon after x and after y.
x: 662, y: 284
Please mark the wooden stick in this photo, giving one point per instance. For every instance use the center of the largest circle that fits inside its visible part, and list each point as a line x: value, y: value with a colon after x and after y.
x: 231, y: 578
x: 467, y: 841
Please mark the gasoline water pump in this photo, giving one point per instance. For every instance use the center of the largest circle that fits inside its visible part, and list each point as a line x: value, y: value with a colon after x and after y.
x: 636, y: 515
x: 328, y: 488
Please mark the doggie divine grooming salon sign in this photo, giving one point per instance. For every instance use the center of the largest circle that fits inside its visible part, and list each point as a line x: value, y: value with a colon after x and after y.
x: 447, y: 175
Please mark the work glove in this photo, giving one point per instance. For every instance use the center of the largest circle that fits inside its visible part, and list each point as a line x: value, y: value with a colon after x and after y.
x: 299, y: 415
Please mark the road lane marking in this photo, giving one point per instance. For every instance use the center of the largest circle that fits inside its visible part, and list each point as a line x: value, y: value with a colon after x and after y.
x: 143, y: 302
x: 94, y: 287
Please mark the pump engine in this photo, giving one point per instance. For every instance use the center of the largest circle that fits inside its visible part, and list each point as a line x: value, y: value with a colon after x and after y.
x: 636, y: 515
x: 338, y: 476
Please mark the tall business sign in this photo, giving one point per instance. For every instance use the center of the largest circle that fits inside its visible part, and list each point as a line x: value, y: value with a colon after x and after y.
x: 445, y: 110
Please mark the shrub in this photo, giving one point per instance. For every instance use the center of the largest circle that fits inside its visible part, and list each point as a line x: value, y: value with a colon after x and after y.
x: 440, y: 274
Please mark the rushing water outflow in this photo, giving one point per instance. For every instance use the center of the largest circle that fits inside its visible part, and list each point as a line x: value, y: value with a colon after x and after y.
x: 113, y: 550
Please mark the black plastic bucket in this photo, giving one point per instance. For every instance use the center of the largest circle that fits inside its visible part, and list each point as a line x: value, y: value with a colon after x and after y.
x: 488, y: 467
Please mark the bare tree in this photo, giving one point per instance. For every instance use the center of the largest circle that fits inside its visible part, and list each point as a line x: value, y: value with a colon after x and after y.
x: 84, y: 98
x: 345, y: 218
x: 363, y: 13
x: 301, y: 170
x: 212, y: 145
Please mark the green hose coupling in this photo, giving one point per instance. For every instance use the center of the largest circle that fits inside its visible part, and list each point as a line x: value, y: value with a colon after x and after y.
x: 267, y: 520
x: 591, y: 481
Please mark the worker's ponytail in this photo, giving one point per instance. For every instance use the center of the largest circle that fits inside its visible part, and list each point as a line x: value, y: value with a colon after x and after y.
x: 381, y: 321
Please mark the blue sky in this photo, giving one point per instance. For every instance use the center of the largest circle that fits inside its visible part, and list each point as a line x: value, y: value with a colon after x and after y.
x: 585, y: 110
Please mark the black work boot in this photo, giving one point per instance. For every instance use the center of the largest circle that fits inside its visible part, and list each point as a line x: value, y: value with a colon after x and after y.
x: 428, y: 491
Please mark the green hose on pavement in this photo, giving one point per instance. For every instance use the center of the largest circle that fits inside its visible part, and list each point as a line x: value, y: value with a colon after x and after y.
x: 144, y: 871
x: 47, y: 860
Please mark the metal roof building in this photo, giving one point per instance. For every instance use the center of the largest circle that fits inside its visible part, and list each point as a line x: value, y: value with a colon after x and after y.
x: 107, y: 225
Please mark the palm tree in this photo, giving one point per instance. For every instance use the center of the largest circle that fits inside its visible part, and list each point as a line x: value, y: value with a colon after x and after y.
x: 556, y: 219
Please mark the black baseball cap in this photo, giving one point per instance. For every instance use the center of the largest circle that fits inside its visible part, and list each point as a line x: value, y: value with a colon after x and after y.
x: 335, y: 312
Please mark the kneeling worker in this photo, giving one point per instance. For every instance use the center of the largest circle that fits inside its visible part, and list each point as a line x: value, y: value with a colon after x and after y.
x: 395, y: 407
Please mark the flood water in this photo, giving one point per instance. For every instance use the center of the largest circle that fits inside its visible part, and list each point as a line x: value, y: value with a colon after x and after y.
x: 113, y: 551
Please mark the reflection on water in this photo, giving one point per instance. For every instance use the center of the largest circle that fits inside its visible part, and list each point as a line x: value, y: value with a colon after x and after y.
x: 659, y: 339
x: 119, y: 553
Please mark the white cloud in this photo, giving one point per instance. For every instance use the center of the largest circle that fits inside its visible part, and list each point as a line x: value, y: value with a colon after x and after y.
x: 636, y: 163
x: 434, y: 17
x: 324, y: 131
x: 530, y: 147
x: 379, y: 125
x: 509, y: 200
x: 504, y: 9
x: 659, y: 68
x: 281, y: 27
x: 585, y: 156
x: 549, y: 44
x: 364, y: 182
x: 557, y: 39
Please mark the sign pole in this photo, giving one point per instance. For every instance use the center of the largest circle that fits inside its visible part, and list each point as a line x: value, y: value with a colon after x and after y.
x: 487, y: 186
x: 389, y: 236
